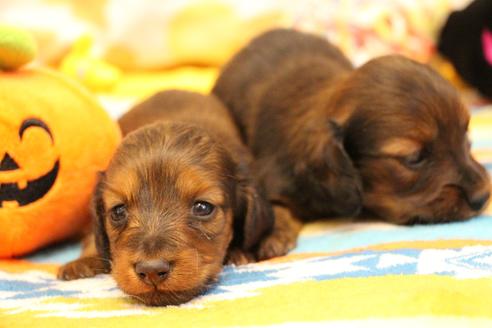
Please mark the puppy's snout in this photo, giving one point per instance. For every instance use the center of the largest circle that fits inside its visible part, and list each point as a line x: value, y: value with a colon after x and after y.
x: 152, y: 272
x: 478, y: 201
x: 476, y: 186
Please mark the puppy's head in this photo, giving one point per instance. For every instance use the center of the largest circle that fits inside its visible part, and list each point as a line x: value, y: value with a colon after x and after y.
x: 407, y: 134
x: 167, y: 209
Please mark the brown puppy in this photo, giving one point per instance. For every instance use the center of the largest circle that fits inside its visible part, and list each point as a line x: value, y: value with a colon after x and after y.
x: 390, y: 137
x: 177, y: 198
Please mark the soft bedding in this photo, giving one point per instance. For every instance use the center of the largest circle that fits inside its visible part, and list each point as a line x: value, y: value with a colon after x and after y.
x: 341, y: 274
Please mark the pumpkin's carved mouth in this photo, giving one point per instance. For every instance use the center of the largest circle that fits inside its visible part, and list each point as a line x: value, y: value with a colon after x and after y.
x: 34, y: 190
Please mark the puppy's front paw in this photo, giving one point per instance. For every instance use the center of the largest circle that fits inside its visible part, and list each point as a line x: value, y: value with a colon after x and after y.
x: 277, y: 244
x: 84, y: 267
x: 239, y: 257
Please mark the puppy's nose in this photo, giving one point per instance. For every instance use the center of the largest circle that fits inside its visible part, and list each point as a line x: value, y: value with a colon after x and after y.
x: 152, y: 272
x: 478, y: 201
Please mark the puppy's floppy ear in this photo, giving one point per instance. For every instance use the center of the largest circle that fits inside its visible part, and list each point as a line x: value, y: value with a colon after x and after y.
x: 99, y: 227
x: 346, y: 183
x: 253, y: 215
x: 328, y: 171
x: 335, y: 154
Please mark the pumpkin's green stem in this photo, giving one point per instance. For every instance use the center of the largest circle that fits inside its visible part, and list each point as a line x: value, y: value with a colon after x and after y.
x: 17, y: 47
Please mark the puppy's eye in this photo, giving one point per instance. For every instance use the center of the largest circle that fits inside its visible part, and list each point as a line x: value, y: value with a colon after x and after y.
x: 414, y: 160
x: 202, y: 209
x: 119, y: 213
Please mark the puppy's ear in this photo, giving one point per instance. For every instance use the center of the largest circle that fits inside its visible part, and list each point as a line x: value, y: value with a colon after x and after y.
x: 99, y: 227
x: 329, y: 173
x: 253, y: 217
x: 346, y: 183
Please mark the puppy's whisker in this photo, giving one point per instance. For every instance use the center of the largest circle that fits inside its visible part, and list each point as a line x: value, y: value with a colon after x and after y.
x: 204, y: 233
x: 103, y: 259
x: 197, y: 258
x: 138, y: 298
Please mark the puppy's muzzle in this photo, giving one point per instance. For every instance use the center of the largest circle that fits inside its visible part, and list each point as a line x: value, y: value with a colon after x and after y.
x: 153, y: 272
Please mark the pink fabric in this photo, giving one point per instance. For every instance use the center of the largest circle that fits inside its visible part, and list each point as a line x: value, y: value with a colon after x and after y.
x: 487, y: 45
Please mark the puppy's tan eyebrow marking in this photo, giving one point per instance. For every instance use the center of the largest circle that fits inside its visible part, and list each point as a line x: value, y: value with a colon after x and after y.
x: 400, y: 147
x: 115, y: 194
x: 212, y: 195
x: 113, y: 191
x: 197, y: 183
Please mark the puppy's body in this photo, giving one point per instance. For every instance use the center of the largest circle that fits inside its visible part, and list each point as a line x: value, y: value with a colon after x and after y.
x: 275, y: 89
x: 177, y: 200
x: 389, y: 136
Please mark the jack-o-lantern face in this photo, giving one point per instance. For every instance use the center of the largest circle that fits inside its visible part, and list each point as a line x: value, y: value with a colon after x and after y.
x: 15, y: 187
x: 54, y: 139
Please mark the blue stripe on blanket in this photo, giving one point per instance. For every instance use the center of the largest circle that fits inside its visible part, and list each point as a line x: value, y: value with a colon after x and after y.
x: 466, y: 262
x: 479, y: 228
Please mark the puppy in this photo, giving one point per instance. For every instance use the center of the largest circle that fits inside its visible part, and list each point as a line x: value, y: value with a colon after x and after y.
x: 389, y: 138
x: 177, y: 201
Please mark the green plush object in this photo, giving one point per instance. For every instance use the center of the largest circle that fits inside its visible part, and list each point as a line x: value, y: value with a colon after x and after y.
x: 17, y: 47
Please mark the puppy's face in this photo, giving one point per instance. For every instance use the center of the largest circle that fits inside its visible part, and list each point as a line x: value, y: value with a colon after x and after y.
x: 407, y: 134
x: 165, y: 211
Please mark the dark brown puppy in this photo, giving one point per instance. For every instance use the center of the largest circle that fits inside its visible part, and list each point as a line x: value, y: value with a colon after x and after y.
x: 390, y: 137
x: 177, y: 200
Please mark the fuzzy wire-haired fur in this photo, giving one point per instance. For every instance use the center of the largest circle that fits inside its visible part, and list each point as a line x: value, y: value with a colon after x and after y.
x: 389, y: 138
x: 178, y: 199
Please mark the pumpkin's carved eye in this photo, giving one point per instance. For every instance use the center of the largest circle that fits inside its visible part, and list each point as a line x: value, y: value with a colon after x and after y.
x: 25, y: 192
x: 34, y: 122
x: 8, y: 163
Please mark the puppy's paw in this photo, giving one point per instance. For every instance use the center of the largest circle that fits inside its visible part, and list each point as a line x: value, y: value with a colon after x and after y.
x: 84, y: 267
x: 239, y: 257
x: 277, y: 244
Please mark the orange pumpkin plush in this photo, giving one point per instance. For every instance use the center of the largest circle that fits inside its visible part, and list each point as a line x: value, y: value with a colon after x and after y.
x: 54, y: 139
